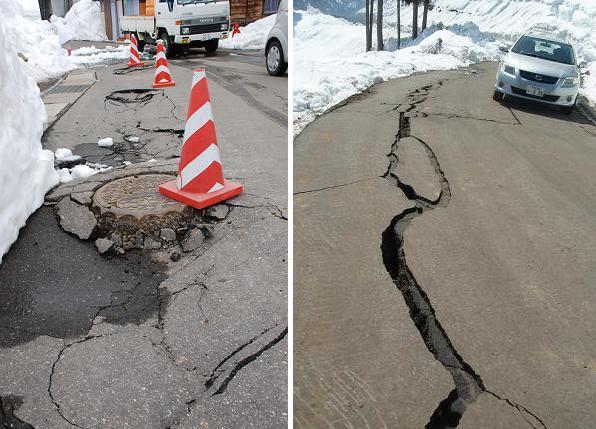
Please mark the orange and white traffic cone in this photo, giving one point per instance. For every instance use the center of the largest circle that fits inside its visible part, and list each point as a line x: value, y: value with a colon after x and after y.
x: 200, y: 182
x: 135, y: 58
x: 162, y: 70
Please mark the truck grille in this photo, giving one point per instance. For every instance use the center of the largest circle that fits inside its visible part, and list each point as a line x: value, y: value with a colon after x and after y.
x: 519, y: 91
x: 205, y: 28
x: 537, y: 77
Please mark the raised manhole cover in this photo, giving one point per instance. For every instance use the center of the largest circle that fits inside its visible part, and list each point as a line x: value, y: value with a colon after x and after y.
x: 135, y: 196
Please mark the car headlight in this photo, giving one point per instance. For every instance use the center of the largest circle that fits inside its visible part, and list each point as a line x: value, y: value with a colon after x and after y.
x: 508, y: 68
x: 185, y: 30
x: 224, y: 26
x: 570, y: 81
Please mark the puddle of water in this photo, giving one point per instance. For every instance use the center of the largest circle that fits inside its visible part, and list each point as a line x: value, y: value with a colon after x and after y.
x: 52, y: 283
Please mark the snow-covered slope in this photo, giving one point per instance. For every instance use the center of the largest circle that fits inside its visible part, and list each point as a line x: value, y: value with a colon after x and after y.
x: 37, y: 41
x: 330, y: 63
x: 321, y: 41
x: 26, y: 171
x: 253, y: 36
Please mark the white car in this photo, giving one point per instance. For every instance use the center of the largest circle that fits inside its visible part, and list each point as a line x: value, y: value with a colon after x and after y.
x: 539, y: 67
x: 276, y: 49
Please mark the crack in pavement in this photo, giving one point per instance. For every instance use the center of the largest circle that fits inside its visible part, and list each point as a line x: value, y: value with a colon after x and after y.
x: 234, y: 368
x: 470, y: 117
x: 324, y: 188
x: 8, y: 405
x: 127, y: 70
x: 468, y: 384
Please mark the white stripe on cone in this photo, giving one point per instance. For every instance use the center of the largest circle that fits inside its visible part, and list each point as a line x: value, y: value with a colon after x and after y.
x: 198, y: 165
x: 160, y: 69
x: 197, y: 77
x: 197, y: 120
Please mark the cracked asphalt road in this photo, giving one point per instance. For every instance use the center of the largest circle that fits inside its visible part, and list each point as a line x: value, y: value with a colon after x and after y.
x: 444, y: 279
x: 141, y: 341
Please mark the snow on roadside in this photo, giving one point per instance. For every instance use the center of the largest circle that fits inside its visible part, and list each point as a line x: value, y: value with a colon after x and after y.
x: 27, y: 171
x: 84, y: 21
x: 37, y: 41
x: 253, y: 36
x: 331, y: 64
x: 88, y: 56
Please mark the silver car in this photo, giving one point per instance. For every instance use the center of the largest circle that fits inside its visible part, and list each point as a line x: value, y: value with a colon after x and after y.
x: 539, y: 67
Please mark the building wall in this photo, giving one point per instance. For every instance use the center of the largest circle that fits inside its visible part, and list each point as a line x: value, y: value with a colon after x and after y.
x: 245, y: 11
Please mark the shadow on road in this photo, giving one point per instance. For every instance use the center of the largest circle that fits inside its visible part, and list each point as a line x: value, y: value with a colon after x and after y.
x: 539, y: 109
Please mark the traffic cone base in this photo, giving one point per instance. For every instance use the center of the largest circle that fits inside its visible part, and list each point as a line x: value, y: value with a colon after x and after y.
x: 163, y: 84
x: 201, y: 200
x: 132, y: 64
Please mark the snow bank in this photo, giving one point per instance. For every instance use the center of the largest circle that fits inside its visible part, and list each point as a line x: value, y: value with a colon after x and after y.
x: 253, y: 36
x: 27, y: 171
x: 331, y: 65
x: 37, y: 41
x: 88, y: 56
x: 84, y: 21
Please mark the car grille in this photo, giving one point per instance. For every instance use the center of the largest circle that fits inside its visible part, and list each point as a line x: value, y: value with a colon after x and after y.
x: 206, y: 28
x: 519, y: 91
x: 537, y: 77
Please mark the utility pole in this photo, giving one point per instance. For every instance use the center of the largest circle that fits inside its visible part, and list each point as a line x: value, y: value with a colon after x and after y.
x: 380, y: 45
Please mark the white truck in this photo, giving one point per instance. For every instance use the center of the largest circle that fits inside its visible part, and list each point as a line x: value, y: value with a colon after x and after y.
x: 181, y: 24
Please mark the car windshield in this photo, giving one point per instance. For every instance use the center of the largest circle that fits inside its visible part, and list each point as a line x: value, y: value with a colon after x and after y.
x: 545, y: 49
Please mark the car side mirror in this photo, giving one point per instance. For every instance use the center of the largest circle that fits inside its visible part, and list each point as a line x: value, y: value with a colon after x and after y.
x: 504, y: 49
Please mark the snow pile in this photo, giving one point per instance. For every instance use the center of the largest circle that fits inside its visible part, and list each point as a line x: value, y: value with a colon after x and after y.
x: 107, y: 142
x: 37, y: 41
x: 63, y: 154
x: 253, y: 36
x: 331, y: 64
x: 84, y: 21
x: 27, y: 171
x: 81, y: 171
x: 87, y: 56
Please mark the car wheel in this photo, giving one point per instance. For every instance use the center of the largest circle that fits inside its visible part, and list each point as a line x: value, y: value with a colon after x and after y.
x: 167, y: 43
x: 498, y: 96
x: 211, y: 46
x: 276, y: 65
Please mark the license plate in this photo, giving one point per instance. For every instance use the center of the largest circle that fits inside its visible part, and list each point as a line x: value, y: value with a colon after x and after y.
x: 535, y: 91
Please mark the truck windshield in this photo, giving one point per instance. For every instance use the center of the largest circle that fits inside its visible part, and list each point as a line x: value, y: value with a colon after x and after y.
x: 193, y: 1
x: 544, y: 49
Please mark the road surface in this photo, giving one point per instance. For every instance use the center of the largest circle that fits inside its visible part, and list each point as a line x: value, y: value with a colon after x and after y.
x: 445, y: 279
x: 151, y: 339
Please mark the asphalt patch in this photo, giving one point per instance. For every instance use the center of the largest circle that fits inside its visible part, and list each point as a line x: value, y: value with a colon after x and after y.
x: 52, y: 283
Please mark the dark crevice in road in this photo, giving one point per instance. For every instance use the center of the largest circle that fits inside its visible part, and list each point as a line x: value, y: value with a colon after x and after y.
x: 470, y: 117
x: 468, y: 384
x: 514, y: 116
x: 127, y: 70
x: 234, y: 368
x: 8, y: 405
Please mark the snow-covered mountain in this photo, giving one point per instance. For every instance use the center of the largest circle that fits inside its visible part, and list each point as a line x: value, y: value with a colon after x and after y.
x: 348, y: 9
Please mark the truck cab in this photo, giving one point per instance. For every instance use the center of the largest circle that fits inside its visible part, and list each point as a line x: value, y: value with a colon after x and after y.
x: 181, y: 24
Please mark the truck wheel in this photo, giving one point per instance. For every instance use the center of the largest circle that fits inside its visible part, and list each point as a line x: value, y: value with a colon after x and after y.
x: 140, y: 44
x: 276, y: 65
x: 167, y: 43
x: 211, y: 46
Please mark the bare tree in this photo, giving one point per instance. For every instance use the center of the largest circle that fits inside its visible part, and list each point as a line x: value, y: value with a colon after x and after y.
x: 398, y: 24
x: 380, y: 45
x: 427, y: 7
x: 370, y: 20
x: 414, y: 4
x: 414, y: 19
x: 368, y: 32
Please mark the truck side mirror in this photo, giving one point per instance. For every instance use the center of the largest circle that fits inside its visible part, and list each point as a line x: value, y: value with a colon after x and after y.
x: 170, y: 5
